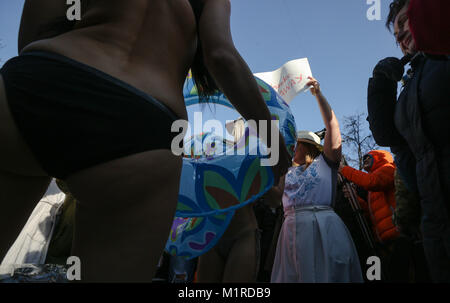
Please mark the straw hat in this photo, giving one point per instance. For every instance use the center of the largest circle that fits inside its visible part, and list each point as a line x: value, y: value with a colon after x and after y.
x: 309, y: 137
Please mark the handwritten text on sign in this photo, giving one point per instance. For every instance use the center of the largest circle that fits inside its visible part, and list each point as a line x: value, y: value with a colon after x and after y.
x: 290, y: 79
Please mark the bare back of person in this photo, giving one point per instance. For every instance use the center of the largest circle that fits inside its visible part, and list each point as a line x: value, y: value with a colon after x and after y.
x: 150, y: 45
x: 125, y: 206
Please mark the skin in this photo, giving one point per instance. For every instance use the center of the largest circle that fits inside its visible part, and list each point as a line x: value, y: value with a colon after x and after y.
x: 300, y: 154
x: 332, y: 147
x: 367, y: 164
x: 126, y: 206
x: 241, y: 264
x: 402, y: 32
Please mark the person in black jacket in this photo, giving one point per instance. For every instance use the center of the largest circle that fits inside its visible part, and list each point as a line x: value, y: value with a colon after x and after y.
x: 416, y: 128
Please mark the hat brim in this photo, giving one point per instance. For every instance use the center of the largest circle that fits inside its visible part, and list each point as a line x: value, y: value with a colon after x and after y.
x: 320, y: 147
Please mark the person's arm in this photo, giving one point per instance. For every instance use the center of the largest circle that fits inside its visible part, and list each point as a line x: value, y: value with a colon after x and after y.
x: 381, y: 100
x: 232, y: 74
x: 225, y: 64
x: 275, y: 194
x: 380, y: 180
x: 43, y: 19
x: 332, y: 143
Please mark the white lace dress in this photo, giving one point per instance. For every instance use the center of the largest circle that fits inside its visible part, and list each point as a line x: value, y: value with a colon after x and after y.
x: 314, y: 245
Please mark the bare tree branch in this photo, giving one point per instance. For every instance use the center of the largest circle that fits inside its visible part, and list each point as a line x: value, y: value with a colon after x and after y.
x: 357, y: 142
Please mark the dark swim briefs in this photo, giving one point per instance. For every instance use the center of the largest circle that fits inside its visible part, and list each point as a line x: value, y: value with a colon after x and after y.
x: 74, y: 116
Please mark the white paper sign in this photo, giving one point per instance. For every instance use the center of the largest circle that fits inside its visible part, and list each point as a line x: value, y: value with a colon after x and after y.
x: 290, y: 79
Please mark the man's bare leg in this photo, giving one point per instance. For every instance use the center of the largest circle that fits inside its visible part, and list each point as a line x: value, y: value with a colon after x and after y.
x: 210, y: 267
x: 243, y: 261
x: 124, y: 213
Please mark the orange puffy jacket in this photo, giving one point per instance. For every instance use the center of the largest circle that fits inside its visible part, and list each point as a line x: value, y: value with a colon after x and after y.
x: 379, y: 182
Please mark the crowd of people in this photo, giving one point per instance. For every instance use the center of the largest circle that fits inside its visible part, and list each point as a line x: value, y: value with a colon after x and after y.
x: 74, y: 106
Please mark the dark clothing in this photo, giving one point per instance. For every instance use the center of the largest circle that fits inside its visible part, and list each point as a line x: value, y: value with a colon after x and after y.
x: 182, y: 270
x: 417, y: 124
x: 60, y: 247
x: 420, y: 272
x: 163, y: 269
x: 197, y: 7
x: 407, y: 208
x: 349, y: 216
x: 74, y: 116
x: 269, y: 222
x: 403, y: 261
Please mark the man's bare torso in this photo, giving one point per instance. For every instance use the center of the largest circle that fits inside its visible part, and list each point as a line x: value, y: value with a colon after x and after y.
x: 149, y: 44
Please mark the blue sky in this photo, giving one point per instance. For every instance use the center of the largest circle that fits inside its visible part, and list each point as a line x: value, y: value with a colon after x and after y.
x: 342, y: 46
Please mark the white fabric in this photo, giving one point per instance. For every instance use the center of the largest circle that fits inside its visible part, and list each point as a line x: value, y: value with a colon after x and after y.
x: 314, y: 245
x: 310, y: 187
x: 32, y: 243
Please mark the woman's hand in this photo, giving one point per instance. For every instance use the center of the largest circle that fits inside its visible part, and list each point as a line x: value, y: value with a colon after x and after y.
x: 332, y: 142
x: 315, y: 86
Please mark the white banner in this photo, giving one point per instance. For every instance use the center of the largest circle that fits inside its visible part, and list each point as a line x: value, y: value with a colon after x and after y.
x: 290, y: 79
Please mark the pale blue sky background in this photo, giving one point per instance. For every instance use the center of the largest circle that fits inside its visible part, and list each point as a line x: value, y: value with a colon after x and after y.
x: 342, y: 46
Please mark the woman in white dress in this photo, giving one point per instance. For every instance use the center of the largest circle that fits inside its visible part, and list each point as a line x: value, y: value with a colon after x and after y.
x: 314, y: 245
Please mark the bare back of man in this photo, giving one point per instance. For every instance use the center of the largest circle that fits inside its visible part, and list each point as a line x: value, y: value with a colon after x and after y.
x: 125, y: 205
x: 149, y: 44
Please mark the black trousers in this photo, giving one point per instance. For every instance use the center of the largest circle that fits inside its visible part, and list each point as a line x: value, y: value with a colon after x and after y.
x: 403, y: 261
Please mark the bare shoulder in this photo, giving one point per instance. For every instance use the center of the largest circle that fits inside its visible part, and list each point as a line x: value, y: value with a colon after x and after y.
x: 39, y: 20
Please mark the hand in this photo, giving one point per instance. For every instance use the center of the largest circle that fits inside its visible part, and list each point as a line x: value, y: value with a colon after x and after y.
x: 346, y: 193
x: 390, y: 68
x: 315, y: 86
